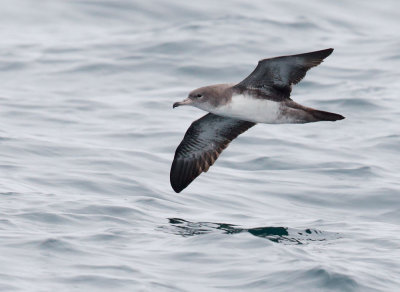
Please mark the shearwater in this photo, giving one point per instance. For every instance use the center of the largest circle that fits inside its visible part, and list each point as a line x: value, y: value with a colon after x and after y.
x: 263, y: 97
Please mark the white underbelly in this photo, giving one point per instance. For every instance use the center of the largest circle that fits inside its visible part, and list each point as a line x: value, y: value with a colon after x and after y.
x: 250, y: 109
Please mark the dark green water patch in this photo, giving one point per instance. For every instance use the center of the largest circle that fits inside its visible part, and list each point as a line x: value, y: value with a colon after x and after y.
x: 276, y: 234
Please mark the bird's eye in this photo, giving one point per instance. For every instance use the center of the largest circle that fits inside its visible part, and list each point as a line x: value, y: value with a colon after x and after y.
x: 199, y: 95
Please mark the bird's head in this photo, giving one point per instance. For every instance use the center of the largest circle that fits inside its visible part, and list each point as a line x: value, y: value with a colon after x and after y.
x: 195, y: 98
x: 207, y: 97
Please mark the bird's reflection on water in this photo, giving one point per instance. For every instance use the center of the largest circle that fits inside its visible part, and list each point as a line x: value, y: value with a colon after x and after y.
x: 284, y: 235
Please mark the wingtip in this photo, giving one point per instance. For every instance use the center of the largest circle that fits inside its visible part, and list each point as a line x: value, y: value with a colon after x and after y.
x: 177, y: 189
x: 324, y: 53
x: 175, y: 180
x: 175, y: 186
x: 328, y: 52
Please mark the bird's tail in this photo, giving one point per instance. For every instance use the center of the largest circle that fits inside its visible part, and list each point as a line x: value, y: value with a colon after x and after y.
x: 309, y: 115
x: 325, y: 116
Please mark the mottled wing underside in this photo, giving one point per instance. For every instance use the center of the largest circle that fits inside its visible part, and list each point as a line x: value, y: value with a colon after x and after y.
x: 275, y: 76
x: 204, y: 141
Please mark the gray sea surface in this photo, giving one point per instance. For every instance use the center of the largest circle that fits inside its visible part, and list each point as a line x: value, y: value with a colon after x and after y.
x: 88, y: 134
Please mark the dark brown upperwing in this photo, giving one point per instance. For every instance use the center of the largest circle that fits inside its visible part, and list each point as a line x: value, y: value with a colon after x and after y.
x: 204, y: 141
x: 275, y: 76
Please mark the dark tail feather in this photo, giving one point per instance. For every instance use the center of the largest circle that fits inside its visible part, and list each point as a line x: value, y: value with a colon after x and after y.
x: 325, y: 116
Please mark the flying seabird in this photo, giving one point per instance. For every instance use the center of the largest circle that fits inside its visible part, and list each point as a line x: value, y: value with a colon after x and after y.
x: 263, y: 97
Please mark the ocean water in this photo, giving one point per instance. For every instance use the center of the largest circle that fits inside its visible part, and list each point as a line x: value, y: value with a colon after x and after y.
x: 88, y: 133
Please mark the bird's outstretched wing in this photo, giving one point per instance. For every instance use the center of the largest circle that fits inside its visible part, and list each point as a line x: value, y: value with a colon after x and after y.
x: 204, y: 141
x: 275, y: 76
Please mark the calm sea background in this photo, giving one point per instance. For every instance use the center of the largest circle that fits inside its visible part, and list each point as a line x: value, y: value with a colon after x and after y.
x: 88, y: 133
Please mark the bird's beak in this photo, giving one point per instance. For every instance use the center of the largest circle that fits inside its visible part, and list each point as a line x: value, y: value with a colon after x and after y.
x: 186, y: 101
